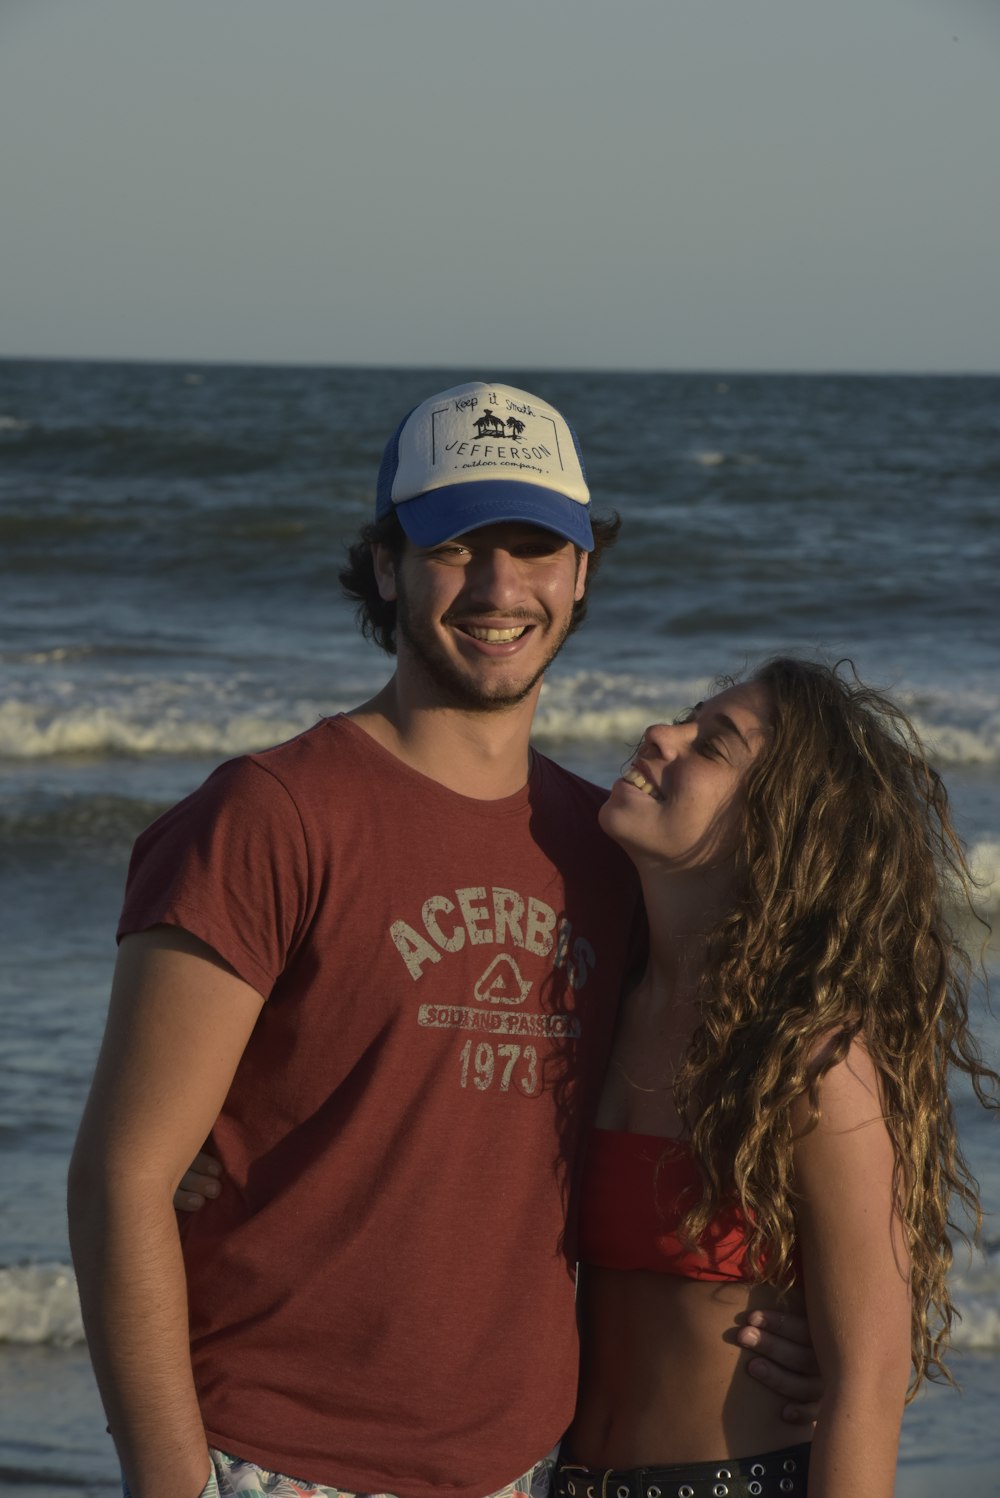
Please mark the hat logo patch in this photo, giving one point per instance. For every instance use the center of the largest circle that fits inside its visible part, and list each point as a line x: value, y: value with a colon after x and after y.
x: 492, y: 425
x: 493, y: 438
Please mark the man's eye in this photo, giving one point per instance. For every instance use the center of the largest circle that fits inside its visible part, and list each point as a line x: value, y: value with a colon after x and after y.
x: 538, y: 549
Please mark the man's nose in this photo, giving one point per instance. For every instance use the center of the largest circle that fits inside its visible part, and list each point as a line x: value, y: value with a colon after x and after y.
x: 495, y: 577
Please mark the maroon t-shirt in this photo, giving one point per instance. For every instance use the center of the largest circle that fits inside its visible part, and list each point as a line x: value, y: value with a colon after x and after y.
x: 382, y: 1299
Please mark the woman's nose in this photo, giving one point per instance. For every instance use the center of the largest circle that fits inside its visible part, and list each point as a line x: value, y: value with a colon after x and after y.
x: 667, y: 739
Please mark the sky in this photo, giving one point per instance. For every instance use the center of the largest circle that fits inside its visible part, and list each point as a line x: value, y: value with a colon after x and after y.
x: 634, y: 184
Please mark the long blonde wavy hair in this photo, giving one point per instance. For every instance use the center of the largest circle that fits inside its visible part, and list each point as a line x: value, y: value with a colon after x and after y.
x: 840, y: 931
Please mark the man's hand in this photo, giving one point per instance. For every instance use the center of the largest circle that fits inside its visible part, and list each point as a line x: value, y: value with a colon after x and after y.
x: 787, y: 1363
x: 201, y: 1182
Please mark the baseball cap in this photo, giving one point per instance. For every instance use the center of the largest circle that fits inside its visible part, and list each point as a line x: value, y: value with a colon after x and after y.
x: 482, y: 453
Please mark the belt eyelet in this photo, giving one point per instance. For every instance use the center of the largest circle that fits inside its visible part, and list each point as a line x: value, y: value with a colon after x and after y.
x: 571, y: 1489
x: 786, y: 1485
x: 720, y: 1490
x: 684, y: 1491
x: 652, y: 1493
x: 754, y: 1489
x: 623, y: 1491
x: 789, y: 1464
x: 758, y: 1470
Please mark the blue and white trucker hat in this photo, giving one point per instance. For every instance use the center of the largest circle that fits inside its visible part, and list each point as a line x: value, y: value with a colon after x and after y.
x: 479, y: 454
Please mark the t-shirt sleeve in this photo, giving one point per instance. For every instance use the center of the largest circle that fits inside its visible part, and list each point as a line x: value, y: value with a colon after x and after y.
x: 228, y: 864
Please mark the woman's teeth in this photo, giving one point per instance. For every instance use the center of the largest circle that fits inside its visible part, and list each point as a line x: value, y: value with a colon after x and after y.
x: 635, y: 777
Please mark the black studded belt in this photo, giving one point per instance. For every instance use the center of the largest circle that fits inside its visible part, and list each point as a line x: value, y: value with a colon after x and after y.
x: 773, y: 1474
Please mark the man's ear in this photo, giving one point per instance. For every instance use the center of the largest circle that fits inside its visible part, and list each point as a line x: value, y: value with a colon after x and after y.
x: 384, y: 564
x: 581, y: 575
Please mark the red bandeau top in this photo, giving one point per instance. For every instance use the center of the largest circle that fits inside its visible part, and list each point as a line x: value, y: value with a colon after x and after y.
x: 636, y: 1189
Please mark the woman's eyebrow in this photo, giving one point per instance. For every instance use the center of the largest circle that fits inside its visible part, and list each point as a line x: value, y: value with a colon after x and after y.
x: 730, y: 727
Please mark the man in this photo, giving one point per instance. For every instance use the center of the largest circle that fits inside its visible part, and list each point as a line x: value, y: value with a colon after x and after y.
x: 380, y: 963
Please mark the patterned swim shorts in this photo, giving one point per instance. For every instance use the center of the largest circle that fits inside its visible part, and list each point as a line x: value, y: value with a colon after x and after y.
x: 232, y: 1477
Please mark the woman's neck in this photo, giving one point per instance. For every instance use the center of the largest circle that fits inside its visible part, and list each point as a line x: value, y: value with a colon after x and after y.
x: 683, y: 908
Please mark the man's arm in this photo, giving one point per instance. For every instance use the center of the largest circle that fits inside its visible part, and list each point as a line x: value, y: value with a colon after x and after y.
x: 178, y: 1023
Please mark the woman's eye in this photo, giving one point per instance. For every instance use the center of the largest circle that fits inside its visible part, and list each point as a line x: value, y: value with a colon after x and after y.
x: 710, y: 748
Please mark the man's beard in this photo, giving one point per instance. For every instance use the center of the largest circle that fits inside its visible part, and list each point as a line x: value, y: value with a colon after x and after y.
x: 462, y: 690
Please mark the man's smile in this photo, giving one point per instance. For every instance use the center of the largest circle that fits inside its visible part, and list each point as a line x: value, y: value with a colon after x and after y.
x: 494, y: 636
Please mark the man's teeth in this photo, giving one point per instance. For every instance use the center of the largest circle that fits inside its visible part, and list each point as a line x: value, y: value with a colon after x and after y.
x: 635, y: 777
x: 495, y: 636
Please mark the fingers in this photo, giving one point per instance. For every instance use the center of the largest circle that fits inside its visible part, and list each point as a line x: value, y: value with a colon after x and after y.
x: 802, y: 1391
x: 208, y: 1165
x: 783, y: 1338
x: 784, y: 1324
x: 785, y: 1362
x: 800, y: 1414
x: 198, y: 1184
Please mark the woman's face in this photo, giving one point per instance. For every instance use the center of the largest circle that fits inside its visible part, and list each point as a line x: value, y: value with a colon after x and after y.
x: 677, y: 803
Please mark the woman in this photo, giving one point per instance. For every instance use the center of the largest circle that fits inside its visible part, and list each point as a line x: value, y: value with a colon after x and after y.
x: 775, y: 1127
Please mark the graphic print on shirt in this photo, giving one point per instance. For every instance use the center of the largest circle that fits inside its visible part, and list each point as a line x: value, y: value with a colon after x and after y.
x: 497, y: 1004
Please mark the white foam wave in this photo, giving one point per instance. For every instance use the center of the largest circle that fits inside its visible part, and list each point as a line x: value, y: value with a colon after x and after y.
x: 959, y: 728
x: 39, y: 1306
x: 975, y: 1288
x: 952, y: 744
x: 984, y: 860
x: 12, y: 424
x: 712, y: 458
x: 604, y: 706
x: 28, y: 731
x: 200, y: 714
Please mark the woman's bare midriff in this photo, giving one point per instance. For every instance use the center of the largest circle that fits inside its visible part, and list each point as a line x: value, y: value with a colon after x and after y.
x: 662, y: 1377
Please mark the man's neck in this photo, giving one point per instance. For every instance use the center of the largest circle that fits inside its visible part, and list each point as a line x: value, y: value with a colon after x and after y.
x: 483, y: 755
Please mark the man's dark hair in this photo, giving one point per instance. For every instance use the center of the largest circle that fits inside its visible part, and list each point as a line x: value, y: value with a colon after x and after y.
x: 377, y: 618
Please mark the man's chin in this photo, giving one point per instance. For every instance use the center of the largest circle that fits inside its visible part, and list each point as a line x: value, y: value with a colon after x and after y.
x: 473, y: 697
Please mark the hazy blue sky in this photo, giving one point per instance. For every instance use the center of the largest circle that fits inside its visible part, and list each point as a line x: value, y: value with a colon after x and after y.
x: 737, y: 184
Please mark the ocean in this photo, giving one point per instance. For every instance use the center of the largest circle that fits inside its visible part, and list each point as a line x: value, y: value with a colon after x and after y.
x: 170, y: 537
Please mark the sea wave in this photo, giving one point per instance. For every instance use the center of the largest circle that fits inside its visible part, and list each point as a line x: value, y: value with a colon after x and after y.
x: 33, y: 731
x: 40, y: 1307
x: 97, y: 819
x: 204, y: 714
x: 975, y: 1289
x: 959, y: 727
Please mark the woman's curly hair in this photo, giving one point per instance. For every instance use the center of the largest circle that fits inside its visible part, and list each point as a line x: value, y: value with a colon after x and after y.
x: 376, y: 615
x: 840, y: 932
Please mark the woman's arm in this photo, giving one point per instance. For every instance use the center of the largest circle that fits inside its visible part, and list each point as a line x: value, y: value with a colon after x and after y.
x: 856, y: 1274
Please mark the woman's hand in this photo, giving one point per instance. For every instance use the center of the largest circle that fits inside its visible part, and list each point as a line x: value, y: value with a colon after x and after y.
x: 786, y: 1362
x: 200, y: 1183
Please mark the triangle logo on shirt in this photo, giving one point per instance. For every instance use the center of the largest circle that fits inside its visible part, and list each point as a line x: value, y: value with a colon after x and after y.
x: 502, y: 983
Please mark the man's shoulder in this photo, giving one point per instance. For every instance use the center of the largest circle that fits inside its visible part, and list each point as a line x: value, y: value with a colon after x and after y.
x: 320, y: 741
x: 557, y: 779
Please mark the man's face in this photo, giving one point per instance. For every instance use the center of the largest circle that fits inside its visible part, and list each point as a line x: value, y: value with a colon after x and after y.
x: 479, y: 618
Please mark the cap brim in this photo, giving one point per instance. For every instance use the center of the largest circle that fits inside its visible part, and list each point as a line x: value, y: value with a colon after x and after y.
x: 441, y: 514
